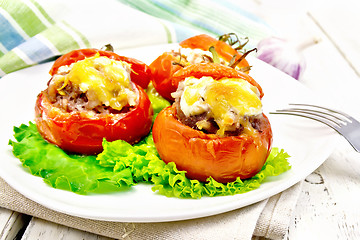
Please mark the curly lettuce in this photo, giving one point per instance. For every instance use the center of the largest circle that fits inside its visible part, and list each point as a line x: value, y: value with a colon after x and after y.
x: 121, y: 166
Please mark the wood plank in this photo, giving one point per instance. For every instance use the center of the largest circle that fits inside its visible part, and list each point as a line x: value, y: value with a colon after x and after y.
x: 327, y: 208
x: 339, y: 23
x: 328, y: 205
x: 43, y: 230
x: 12, y: 224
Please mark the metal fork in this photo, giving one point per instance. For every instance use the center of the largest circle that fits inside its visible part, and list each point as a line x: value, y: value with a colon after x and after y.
x: 342, y: 123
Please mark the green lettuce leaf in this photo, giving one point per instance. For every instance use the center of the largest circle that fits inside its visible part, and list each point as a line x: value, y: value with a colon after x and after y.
x: 76, y: 173
x: 121, y: 166
x: 157, y: 101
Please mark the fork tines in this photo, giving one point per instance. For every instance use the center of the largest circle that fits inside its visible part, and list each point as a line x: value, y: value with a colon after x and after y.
x: 324, y: 115
x: 341, y: 122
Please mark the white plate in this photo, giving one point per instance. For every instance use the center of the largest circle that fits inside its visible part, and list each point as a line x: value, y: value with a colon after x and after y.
x: 308, y: 143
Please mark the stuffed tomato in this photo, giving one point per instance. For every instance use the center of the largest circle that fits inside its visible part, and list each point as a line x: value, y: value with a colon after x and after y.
x: 91, y: 96
x: 192, y: 50
x: 140, y: 72
x: 216, y: 127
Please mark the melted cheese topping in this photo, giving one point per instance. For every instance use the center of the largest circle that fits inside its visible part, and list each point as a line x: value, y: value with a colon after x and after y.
x: 102, y: 79
x: 227, y: 101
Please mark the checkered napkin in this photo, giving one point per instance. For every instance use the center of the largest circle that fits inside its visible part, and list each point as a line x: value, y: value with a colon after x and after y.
x: 34, y: 31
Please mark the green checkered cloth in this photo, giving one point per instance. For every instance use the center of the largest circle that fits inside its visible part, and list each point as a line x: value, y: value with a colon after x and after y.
x: 34, y: 31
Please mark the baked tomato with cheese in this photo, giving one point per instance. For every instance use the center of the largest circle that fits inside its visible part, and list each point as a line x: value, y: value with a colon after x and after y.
x: 140, y: 72
x: 216, y: 127
x: 91, y: 96
x: 192, y: 50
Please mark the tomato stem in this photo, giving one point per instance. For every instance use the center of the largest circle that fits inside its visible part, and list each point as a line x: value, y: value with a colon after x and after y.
x: 214, y: 54
x: 179, y: 63
x: 228, y: 38
x: 107, y: 47
x: 233, y: 64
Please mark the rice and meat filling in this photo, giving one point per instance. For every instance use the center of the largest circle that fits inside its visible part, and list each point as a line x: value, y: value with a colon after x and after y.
x: 188, y: 56
x: 96, y: 84
x: 226, y: 107
x: 212, y: 127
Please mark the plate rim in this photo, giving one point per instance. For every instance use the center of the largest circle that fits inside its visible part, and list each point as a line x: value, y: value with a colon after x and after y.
x: 160, y: 218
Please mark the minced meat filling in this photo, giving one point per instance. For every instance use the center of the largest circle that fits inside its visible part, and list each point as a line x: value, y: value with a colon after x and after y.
x: 193, y: 56
x: 191, y: 121
x: 225, y: 107
x: 76, y: 100
x: 96, y: 84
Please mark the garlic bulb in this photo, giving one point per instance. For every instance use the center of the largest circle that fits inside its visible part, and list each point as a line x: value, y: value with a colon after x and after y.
x: 284, y: 56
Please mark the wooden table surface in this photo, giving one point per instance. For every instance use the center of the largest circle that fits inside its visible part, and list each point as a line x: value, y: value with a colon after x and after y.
x: 328, y: 207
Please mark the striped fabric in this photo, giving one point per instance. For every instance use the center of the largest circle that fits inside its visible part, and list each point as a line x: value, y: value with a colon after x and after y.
x: 19, y: 21
x: 214, y: 17
x: 34, y: 31
x: 29, y: 35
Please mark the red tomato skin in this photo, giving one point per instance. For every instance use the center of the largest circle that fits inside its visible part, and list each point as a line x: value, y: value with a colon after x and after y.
x: 204, y: 42
x: 78, y: 133
x: 162, y: 69
x: 140, y: 74
x: 204, y: 155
